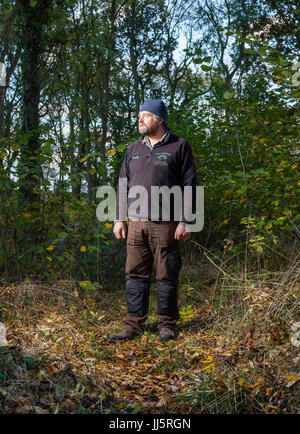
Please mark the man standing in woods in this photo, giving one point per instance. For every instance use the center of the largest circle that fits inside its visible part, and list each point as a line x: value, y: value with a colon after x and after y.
x: 158, y: 158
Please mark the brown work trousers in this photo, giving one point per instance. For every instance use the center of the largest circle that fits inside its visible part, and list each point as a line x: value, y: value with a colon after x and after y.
x: 147, y: 243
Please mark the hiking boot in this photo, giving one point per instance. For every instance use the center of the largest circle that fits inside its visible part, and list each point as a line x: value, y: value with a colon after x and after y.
x: 124, y: 335
x: 167, y: 334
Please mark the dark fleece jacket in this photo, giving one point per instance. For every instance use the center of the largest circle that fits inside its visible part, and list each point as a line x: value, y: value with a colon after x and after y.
x: 169, y: 163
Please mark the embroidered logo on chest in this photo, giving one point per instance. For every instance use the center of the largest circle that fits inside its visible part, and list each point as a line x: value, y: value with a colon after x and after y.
x: 162, y: 156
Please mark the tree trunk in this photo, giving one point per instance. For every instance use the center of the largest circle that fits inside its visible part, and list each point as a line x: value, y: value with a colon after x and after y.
x: 105, y: 95
x: 133, y: 56
x: 32, y: 19
x: 87, y: 138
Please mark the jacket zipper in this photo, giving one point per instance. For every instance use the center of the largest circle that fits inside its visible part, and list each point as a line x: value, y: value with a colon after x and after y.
x: 151, y: 150
x: 149, y: 156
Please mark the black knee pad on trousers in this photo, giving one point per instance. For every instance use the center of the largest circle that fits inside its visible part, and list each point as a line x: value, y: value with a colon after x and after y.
x: 167, y: 293
x: 174, y: 264
x: 137, y: 295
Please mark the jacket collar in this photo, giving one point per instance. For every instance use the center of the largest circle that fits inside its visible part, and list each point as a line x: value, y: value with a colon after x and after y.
x: 163, y: 140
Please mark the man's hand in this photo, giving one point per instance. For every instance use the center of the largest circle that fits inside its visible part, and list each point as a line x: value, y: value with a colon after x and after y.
x: 119, y: 230
x: 182, y: 233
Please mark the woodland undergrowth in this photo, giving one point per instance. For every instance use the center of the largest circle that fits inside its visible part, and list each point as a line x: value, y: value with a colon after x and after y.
x: 237, y: 349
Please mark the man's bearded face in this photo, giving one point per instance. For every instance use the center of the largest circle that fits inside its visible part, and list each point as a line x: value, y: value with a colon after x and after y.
x: 148, y: 124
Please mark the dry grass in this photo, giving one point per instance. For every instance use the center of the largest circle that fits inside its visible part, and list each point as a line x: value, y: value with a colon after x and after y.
x: 234, y: 355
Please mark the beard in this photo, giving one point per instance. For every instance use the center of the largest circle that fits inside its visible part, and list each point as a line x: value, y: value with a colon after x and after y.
x: 144, y: 129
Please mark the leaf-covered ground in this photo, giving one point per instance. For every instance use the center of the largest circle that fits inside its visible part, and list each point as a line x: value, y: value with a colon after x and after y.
x: 235, y: 353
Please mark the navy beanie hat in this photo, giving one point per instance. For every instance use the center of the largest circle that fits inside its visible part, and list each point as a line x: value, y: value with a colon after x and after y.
x: 155, y: 106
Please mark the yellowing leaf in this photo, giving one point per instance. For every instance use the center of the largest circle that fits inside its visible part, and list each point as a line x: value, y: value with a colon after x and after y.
x: 85, y: 283
x: 50, y: 248
x: 49, y: 259
x: 293, y: 377
x: 208, y: 368
x: 108, y: 225
x: 258, y: 381
x: 110, y: 152
x: 209, y: 359
x: 83, y: 249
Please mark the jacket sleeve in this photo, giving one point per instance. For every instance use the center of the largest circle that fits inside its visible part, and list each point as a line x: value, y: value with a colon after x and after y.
x: 188, y: 177
x: 121, y: 197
